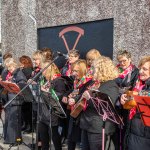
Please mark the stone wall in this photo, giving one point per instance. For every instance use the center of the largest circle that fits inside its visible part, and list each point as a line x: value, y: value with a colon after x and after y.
x: 131, y: 22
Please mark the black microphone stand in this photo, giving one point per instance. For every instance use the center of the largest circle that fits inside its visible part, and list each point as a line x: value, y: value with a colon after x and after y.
x: 38, y: 94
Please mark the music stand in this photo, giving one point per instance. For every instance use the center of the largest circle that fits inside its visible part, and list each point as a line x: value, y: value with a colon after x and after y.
x: 15, y: 89
x: 105, y: 109
x: 52, y: 105
x: 143, y: 105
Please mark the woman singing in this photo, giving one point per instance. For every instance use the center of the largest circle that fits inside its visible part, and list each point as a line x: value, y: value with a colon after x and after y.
x: 49, y: 127
x: 73, y: 56
x: 81, y: 82
x: 104, y: 73
x: 127, y: 75
x: 137, y: 134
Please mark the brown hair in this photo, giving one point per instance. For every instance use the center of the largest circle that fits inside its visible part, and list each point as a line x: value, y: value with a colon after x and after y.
x: 144, y: 60
x: 7, y: 55
x: 26, y: 61
x: 47, y: 54
x: 122, y: 53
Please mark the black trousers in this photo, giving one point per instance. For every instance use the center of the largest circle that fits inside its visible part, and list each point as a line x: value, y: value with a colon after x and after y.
x: 12, y: 126
x: 91, y: 141
x: 45, y: 136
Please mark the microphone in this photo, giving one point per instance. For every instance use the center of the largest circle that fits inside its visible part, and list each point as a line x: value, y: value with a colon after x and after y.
x: 61, y: 54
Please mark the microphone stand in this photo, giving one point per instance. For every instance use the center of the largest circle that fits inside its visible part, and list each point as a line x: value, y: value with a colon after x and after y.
x: 38, y: 95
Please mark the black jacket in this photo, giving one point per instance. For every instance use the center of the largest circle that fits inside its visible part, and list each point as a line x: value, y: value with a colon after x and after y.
x: 138, y: 135
x: 27, y: 72
x: 90, y: 120
x: 20, y: 79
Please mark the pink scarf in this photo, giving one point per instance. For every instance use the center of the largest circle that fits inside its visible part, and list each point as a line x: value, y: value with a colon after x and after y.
x: 138, y: 87
x: 124, y: 73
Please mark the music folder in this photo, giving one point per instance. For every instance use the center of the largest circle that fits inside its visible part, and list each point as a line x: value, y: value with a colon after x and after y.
x: 143, y: 105
x: 10, y: 87
x: 15, y: 89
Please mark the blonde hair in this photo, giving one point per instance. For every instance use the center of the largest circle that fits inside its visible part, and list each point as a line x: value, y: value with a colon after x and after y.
x: 50, y: 71
x: 144, y: 60
x: 37, y: 54
x: 10, y: 62
x: 93, y: 54
x: 104, y: 69
x: 81, y: 63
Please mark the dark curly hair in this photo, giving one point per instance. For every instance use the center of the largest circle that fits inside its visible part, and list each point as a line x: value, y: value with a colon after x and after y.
x: 26, y: 61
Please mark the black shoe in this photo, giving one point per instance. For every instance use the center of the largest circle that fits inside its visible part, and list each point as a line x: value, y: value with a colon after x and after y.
x: 33, y: 146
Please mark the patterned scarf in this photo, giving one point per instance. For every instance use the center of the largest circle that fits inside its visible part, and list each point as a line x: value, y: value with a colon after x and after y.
x: 84, y: 79
x: 138, y: 87
x: 124, y: 73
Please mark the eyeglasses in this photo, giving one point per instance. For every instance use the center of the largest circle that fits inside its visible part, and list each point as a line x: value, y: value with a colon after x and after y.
x: 122, y: 61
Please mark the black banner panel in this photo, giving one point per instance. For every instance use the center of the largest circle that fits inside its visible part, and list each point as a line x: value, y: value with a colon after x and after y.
x: 82, y: 36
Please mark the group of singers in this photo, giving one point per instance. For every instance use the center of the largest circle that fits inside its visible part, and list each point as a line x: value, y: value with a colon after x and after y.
x: 95, y: 73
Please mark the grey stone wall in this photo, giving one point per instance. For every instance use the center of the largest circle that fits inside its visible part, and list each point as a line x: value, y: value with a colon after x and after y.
x: 131, y: 22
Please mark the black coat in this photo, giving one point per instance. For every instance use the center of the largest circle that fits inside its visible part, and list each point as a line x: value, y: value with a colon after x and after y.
x: 138, y: 135
x: 27, y: 72
x: 74, y: 131
x: 12, y: 126
x: 90, y: 120
x: 49, y: 102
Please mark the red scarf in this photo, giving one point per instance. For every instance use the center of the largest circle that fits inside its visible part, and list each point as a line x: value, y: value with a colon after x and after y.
x: 56, y: 76
x: 138, y: 87
x: 124, y: 73
x: 8, y: 76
